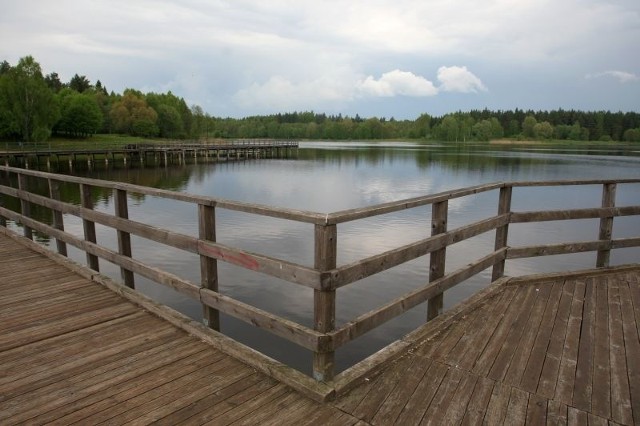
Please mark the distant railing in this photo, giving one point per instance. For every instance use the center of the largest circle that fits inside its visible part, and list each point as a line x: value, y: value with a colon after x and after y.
x: 325, y: 277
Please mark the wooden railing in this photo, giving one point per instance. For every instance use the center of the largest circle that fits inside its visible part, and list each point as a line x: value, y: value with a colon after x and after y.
x: 326, y: 276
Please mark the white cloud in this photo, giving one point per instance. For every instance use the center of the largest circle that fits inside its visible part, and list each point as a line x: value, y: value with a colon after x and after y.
x: 621, y: 76
x: 396, y: 82
x: 459, y: 79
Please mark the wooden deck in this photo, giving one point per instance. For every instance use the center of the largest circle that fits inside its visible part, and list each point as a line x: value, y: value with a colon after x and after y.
x: 563, y: 351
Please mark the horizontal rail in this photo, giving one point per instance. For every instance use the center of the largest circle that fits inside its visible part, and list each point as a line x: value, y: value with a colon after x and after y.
x: 275, y: 212
x: 275, y: 267
x: 394, y: 206
x: 325, y: 277
x: 567, y: 248
x: 372, y: 265
x: 398, y: 306
x: 593, y: 213
x: 282, y: 327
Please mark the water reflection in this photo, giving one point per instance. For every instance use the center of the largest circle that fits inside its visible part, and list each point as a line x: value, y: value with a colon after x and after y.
x: 328, y: 177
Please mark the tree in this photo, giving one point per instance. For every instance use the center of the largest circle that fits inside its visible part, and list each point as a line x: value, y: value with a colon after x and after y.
x: 80, y: 113
x: 169, y: 122
x: 132, y: 115
x: 29, y: 109
x: 482, y: 130
x: 632, y: 135
x: 53, y: 82
x: 527, y: 126
x: 543, y: 130
x: 79, y: 83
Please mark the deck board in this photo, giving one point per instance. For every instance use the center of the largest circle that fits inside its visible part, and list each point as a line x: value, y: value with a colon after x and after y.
x: 557, y: 352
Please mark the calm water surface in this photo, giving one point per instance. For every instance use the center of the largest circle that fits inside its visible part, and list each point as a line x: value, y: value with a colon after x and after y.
x: 327, y: 177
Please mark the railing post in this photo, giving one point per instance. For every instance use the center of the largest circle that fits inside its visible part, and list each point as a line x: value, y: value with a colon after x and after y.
x: 606, y: 224
x: 88, y: 226
x: 208, y: 266
x: 54, y: 194
x: 124, y: 238
x: 25, y: 206
x: 504, y: 207
x: 439, y: 213
x: 324, y: 301
x: 3, y: 220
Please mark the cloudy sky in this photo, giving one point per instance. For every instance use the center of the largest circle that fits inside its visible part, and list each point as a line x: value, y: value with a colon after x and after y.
x: 395, y: 58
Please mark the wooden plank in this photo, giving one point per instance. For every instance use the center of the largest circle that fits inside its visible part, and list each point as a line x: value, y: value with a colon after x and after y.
x: 549, y: 375
x: 584, y: 386
x: 596, y: 420
x: 212, y: 411
x: 394, y: 206
x: 487, y: 358
x: 423, y: 396
x: 503, y: 357
x: 177, y: 394
x: 606, y: 223
x: 25, y: 207
x: 573, y: 214
x: 577, y: 417
x: 631, y: 346
x: 567, y: 371
x: 395, y: 402
x: 533, y: 370
x: 458, y: 403
x: 502, y: 232
x: 208, y: 266
x: 620, y: 396
x: 124, y: 238
x: 440, y: 402
x: 88, y: 226
x: 58, y: 222
x: 479, y: 401
x: 556, y: 413
x: 601, y: 398
x: 497, y: 408
x: 33, y: 334
x: 381, y: 262
x: 324, y: 301
x: 215, y: 399
x: 383, y: 387
x: 437, y: 262
x: 517, y: 408
x: 537, y: 410
x: 376, y: 317
x: 524, y: 349
x: 77, y: 387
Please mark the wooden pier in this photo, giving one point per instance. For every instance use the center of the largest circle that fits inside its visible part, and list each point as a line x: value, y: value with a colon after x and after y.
x: 157, y: 154
x: 546, y: 350
x: 556, y: 348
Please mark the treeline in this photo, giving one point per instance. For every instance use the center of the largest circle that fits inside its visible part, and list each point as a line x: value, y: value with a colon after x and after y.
x: 34, y: 106
x: 478, y: 125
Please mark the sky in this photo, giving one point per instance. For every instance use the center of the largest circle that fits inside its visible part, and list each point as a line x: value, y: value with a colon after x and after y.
x: 378, y: 58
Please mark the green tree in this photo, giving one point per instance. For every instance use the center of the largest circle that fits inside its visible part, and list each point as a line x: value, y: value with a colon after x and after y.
x: 543, y: 130
x: 28, y: 108
x: 482, y: 130
x: 169, y: 122
x: 632, y: 135
x: 79, y: 83
x: 528, y: 124
x: 132, y: 115
x: 80, y: 113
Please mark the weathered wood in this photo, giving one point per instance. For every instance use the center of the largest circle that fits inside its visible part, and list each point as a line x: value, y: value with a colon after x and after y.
x: 591, y: 213
x: 439, y: 218
x: 208, y: 266
x: 376, y: 317
x: 25, y: 207
x: 324, y: 301
x: 502, y: 232
x: 58, y: 223
x: 566, y: 248
x: 88, y: 226
x: 606, y: 223
x: 394, y: 206
x: 372, y: 265
x: 124, y: 238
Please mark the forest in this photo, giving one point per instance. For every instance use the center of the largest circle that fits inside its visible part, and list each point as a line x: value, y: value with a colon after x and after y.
x: 35, y: 106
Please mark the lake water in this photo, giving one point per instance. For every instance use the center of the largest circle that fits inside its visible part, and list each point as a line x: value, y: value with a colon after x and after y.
x: 329, y: 176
